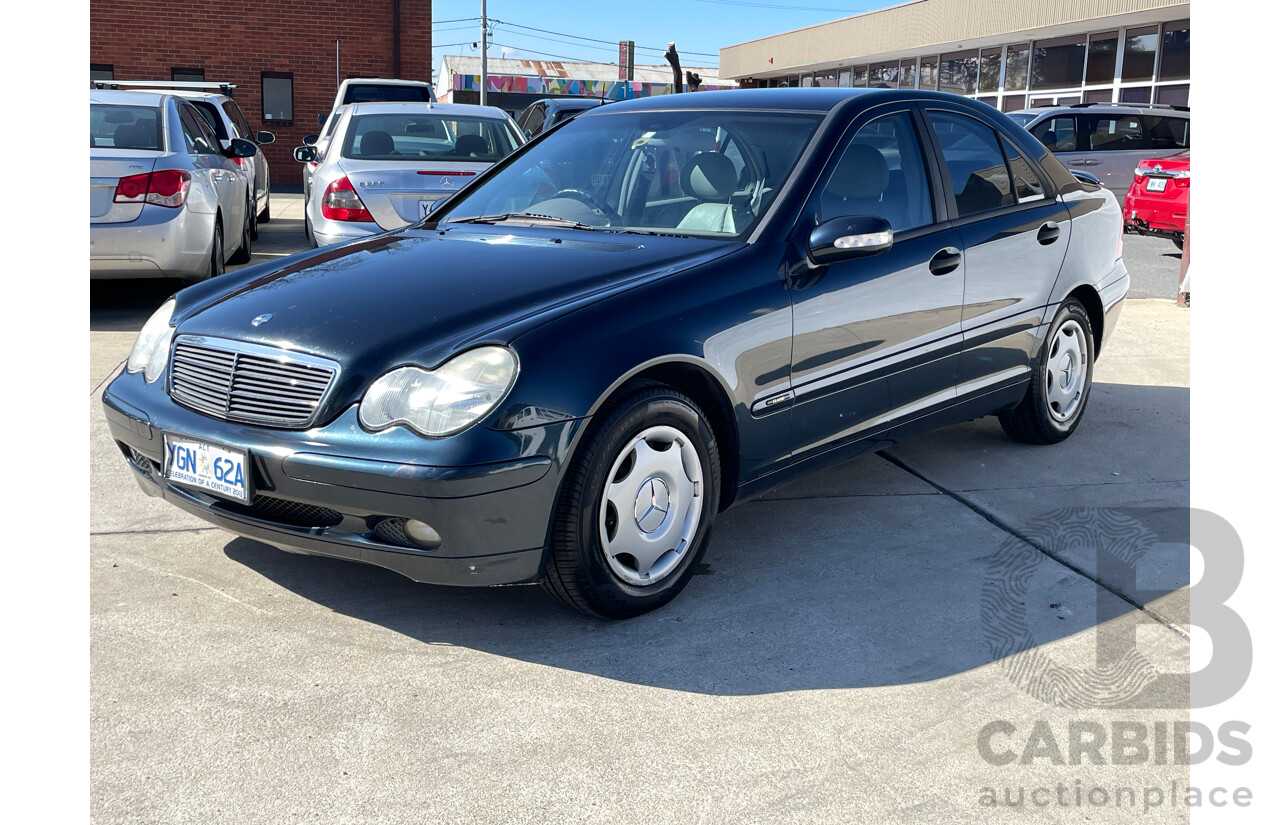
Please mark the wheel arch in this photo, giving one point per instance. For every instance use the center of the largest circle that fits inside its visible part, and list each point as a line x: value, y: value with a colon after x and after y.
x: 1092, y: 301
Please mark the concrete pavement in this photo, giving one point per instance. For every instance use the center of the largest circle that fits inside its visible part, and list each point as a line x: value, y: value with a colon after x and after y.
x: 848, y: 640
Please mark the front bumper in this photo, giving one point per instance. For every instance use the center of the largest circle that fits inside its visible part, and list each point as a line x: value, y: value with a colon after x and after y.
x: 160, y: 243
x: 489, y: 494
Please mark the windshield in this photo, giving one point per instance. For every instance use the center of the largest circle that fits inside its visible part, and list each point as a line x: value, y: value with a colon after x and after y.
x: 697, y: 173
x: 1022, y: 118
x: 415, y: 136
x: 124, y: 127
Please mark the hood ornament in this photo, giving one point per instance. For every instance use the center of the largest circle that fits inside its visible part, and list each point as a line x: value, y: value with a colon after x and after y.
x: 262, y: 319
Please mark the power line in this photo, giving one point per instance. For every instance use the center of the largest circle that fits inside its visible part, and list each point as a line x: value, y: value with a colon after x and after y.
x: 779, y: 7
x: 595, y: 39
x: 459, y: 20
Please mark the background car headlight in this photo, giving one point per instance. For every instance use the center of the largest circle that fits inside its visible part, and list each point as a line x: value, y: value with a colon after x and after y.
x: 442, y: 401
x: 151, y: 350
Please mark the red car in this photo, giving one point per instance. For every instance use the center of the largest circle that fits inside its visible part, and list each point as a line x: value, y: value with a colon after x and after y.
x: 1156, y: 203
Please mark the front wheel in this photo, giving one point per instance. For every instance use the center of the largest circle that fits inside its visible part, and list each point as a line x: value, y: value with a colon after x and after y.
x: 1061, y: 378
x: 636, y: 508
x: 245, y: 252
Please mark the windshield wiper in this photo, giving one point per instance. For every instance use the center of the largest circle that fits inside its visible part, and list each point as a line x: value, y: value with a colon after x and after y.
x: 549, y: 220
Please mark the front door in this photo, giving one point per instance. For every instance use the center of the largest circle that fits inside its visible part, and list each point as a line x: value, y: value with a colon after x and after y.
x: 876, y: 338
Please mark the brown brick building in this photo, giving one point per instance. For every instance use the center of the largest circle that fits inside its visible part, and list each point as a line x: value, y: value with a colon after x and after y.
x: 295, y: 52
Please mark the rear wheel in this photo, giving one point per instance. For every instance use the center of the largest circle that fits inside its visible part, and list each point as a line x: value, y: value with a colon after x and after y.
x: 1061, y: 378
x: 635, y: 513
x: 265, y: 217
x: 217, y: 263
x: 245, y: 252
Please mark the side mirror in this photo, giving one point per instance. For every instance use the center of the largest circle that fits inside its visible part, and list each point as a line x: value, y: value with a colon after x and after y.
x: 305, y: 154
x: 310, y: 140
x: 266, y: 137
x: 241, y: 148
x: 843, y: 239
x: 1085, y: 177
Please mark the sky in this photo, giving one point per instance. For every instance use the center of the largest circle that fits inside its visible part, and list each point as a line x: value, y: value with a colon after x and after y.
x: 587, y: 30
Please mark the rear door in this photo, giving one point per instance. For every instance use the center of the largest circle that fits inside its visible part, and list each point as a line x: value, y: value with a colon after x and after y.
x: 1014, y: 233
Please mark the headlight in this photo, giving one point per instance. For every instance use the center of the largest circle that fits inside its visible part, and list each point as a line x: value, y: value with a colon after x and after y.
x: 442, y: 401
x: 151, y: 350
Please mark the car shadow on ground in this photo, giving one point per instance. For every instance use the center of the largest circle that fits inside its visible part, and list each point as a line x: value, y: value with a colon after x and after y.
x: 834, y: 584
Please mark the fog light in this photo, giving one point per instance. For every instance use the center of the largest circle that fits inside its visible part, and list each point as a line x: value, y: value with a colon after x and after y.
x: 422, y: 534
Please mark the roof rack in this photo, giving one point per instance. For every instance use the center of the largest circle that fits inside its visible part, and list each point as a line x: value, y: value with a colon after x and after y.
x: 222, y: 88
x: 1132, y: 106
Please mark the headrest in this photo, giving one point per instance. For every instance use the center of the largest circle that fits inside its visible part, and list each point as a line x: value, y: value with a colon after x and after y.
x: 862, y: 173
x: 709, y: 176
x: 471, y: 145
x: 135, y: 136
x: 376, y: 143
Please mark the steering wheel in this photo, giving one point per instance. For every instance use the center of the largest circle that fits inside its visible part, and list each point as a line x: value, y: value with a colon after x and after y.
x: 591, y: 201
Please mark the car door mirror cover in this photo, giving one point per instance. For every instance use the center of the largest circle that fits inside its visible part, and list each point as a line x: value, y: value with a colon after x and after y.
x: 310, y: 140
x: 241, y: 148
x: 847, y: 238
x: 265, y: 137
x: 305, y: 154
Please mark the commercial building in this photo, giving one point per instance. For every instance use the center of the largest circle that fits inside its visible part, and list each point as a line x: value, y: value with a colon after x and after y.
x: 1012, y: 54
x: 285, y: 58
x: 514, y: 84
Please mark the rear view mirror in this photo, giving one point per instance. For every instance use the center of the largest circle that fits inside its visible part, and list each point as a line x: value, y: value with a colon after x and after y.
x: 843, y: 239
x: 305, y: 154
x: 310, y: 140
x: 266, y: 137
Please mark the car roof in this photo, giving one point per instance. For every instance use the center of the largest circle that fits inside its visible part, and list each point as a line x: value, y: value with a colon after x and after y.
x: 401, y: 107
x: 384, y: 81
x: 130, y: 98
x: 1118, y: 109
x: 793, y: 100
x: 195, y: 95
x: 570, y: 102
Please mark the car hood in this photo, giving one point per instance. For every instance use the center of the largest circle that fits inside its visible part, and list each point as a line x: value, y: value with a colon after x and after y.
x: 421, y: 295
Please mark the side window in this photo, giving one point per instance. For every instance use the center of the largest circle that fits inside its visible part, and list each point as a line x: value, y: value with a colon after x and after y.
x: 1168, y: 132
x: 238, y: 120
x: 1115, y: 133
x: 1026, y: 184
x: 975, y: 164
x: 1058, y: 134
x: 881, y: 173
x: 196, y: 132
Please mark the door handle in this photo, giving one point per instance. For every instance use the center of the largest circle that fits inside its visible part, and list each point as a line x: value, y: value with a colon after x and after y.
x: 945, y: 260
x: 1086, y: 162
x: 1048, y: 233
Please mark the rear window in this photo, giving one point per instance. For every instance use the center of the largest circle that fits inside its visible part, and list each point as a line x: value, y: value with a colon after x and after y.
x: 375, y: 93
x: 124, y: 127
x: 1168, y: 132
x: 418, y: 136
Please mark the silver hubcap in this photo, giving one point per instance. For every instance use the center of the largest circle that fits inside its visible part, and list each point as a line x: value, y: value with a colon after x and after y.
x: 1066, y: 371
x: 651, y: 505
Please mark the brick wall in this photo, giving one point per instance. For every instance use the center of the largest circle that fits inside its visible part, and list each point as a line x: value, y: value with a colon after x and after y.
x: 236, y: 42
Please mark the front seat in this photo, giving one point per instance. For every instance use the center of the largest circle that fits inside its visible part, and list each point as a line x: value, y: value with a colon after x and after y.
x: 711, y: 178
x: 376, y: 144
x: 857, y: 185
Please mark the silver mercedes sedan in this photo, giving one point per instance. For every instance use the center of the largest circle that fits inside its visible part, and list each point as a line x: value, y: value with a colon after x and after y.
x: 165, y: 199
x: 387, y: 164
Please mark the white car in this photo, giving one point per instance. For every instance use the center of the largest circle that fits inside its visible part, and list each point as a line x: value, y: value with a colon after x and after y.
x: 381, y: 90
x: 165, y: 199
x: 387, y: 164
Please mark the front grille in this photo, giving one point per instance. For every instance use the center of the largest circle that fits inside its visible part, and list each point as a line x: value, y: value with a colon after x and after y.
x: 296, y: 514
x: 249, y: 383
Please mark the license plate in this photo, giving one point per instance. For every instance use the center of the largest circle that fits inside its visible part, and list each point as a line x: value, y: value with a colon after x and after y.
x: 424, y: 207
x: 1156, y: 184
x: 211, y: 467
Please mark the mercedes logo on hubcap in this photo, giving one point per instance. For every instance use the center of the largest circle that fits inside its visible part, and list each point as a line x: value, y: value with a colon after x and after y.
x: 652, y: 503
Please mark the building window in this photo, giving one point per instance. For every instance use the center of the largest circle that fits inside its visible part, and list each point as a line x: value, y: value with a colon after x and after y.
x: 187, y: 75
x: 929, y: 73
x: 1098, y: 96
x: 1177, y: 94
x: 846, y: 78
x: 1015, y: 67
x: 958, y: 72
x: 1012, y: 103
x: 1058, y: 63
x: 860, y: 76
x: 907, y: 74
x: 1139, y: 94
x: 989, y: 70
x: 1175, y: 51
x: 277, y: 96
x: 102, y: 71
x: 1139, y: 54
x: 883, y: 76
x: 826, y: 80
x: 1101, y: 67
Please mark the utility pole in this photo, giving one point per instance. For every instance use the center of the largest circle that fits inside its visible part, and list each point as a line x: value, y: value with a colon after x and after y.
x: 484, y: 52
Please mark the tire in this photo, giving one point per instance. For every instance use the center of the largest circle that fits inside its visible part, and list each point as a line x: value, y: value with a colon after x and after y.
x: 265, y: 216
x: 217, y: 258
x: 651, y: 446
x: 1061, y: 380
x: 253, y: 221
x: 245, y: 252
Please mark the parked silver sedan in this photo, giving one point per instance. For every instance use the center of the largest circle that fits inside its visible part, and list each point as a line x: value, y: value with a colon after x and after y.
x: 165, y: 200
x: 387, y: 164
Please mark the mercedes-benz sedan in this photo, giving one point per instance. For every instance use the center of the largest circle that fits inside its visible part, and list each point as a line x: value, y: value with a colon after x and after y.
x: 565, y: 372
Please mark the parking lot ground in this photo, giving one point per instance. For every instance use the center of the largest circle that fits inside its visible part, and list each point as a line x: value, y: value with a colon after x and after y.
x: 849, y: 637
